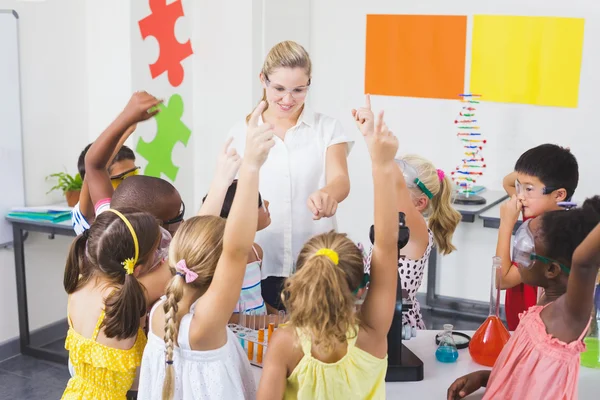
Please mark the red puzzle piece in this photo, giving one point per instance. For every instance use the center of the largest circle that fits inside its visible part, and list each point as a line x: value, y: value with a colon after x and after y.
x: 161, y: 25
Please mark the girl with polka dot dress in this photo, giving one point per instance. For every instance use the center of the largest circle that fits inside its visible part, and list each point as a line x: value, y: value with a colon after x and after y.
x: 425, y: 197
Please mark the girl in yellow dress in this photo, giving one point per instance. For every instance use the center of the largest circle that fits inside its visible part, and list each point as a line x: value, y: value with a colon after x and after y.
x: 328, y: 350
x: 107, y: 303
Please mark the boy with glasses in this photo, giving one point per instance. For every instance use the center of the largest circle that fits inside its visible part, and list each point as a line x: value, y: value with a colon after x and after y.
x: 544, y: 177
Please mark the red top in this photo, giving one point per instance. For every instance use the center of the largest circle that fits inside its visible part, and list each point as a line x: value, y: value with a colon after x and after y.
x: 518, y: 300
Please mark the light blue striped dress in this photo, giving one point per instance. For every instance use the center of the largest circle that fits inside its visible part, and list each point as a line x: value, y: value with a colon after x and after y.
x: 251, y: 290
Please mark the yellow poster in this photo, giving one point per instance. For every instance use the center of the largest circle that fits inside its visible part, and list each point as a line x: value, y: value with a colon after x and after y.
x: 528, y: 60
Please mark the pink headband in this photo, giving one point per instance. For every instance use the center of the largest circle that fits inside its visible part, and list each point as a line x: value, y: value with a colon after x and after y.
x: 185, y: 272
x: 441, y: 174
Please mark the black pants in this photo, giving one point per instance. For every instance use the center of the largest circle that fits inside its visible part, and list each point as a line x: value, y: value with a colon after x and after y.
x: 271, y: 291
x: 132, y: 395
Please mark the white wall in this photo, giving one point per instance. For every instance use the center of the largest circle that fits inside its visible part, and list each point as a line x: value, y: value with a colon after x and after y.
x: 337, y: 34
x: 54, y: 109
x: 74, y: 78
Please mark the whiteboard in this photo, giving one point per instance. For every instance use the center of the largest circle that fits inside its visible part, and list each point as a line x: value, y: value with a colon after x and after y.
x: 11, y: 138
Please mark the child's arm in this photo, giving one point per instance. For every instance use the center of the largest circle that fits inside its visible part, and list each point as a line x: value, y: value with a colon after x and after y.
x: 378, y: 307
x: 275, y: 369
x: 240, y: 228
x: 465, y: 385
x: 509, y: 214
x: 509, y: 184
x: 582, y: 279
x: 228, y: 165
x: 419, y: 236
x: 137, y: 110
x: 86, y: 206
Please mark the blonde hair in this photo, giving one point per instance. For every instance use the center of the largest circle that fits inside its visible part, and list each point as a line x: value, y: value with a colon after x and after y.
x: 288, y: 54
x: 320, y: 295
x: 199, y: 242
x: 442, y: 217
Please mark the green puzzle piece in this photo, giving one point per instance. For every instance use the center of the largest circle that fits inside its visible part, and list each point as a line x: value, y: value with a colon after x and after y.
x: 170, y: 130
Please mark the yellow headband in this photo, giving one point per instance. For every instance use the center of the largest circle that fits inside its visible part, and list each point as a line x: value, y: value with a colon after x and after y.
x: 331, y: 254
x: 129, y: 264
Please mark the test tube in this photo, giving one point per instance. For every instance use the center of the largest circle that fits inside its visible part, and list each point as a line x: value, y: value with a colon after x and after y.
x: 272, y: 323
x: 261, y: 338
x: 242, y: 322
x: 261, y: 320
x: 282, y: 317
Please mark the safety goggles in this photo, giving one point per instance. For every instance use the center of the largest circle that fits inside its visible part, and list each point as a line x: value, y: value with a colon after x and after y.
x: 297, y: 93
x: 524, y: 254
x: 116, y: 180
x: 412, y: 177
x: 530, y: 191
x: 162, y: 251
x: 172, y: 224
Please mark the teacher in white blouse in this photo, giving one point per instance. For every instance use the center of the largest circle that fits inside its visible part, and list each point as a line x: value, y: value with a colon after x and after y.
x: 306, y: 175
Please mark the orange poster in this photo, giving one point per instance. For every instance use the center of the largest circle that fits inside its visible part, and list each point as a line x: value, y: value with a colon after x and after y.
x: 416, y: 55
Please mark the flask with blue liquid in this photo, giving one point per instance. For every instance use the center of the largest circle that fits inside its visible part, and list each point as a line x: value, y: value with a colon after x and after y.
x: 447, y: 351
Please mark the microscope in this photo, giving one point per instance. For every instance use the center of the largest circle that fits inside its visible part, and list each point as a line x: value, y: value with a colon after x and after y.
x: 403, y: 364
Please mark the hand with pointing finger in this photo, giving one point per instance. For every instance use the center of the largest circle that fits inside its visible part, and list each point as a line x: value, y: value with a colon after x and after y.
x: 382, y: 143
x: 259, y: 139
x: 365, y: 120
x: 228, y: 164
x: 321, y: 205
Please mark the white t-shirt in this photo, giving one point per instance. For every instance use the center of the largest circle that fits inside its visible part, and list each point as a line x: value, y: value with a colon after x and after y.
x: 293, y: 171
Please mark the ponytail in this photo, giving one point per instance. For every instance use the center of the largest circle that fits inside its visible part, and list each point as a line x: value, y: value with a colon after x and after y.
x: 125, y: 307
x: 264, y: 98
x: 75, y: 263
x: 444, y: 219
x: 319, y: 296
x: 171, y: 307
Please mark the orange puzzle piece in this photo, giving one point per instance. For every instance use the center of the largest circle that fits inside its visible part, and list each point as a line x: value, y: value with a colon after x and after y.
x: 416, y: 55
x: 161, y: 25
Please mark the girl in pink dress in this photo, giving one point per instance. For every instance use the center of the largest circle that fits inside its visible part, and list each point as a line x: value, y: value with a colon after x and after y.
x: 560, y: 252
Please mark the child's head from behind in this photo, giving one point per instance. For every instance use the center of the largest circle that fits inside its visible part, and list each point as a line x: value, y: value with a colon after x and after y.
x: 432, y: 196
x: 123, y: 165
x: 544, y: 245
x: 102, y: 253
x: 264, y: 218
x: 153, y: 195
x: 320, y: 296
x: 195, y: 249
x: 546, y: 175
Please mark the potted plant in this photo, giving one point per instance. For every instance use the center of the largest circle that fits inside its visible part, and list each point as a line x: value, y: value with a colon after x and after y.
x: 70, y: 186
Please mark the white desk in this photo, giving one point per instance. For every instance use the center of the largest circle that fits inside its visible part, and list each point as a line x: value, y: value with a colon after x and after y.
x: 20, y: 226
x: 439, y: 376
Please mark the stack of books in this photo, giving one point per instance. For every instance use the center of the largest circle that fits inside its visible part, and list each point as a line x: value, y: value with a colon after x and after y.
x: 54, y: 214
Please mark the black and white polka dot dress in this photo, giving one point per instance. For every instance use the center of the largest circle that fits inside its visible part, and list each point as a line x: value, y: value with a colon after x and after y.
x: 411, y: 275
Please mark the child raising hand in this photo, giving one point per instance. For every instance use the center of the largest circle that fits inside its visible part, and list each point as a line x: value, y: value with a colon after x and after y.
x: 560, y: 252
x: 191, y: 353
x: 326, y: 350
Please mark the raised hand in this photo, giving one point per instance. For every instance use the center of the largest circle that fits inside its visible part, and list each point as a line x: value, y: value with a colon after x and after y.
x: 382, y: 143
x: 228, y: 164
x: 259, y: 139
x: 322, y: 205
x: 141, y: 106
x: 365, y: 120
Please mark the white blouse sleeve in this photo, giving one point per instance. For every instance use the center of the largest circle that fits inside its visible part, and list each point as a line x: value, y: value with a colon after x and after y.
x: 338, y: 135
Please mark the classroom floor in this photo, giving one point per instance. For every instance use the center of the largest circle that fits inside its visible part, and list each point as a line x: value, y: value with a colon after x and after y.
x: 24, y: 377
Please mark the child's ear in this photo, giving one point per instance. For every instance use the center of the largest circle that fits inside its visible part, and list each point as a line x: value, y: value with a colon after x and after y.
x: 560, y: 195
x: 552, y: 271
x: 421, y: 203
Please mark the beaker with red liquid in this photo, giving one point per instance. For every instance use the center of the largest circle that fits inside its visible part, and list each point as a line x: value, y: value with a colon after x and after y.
x: 489, y: 340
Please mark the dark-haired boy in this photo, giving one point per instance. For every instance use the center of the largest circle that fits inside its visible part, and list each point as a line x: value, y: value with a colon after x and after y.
x: 543, y: 177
